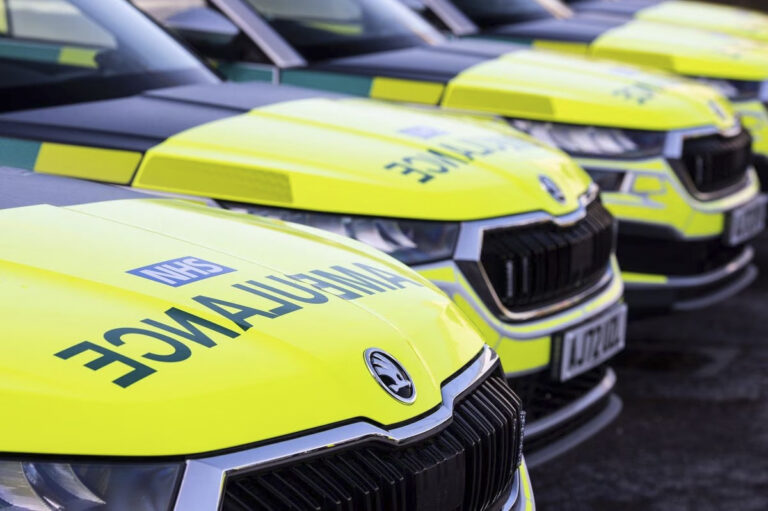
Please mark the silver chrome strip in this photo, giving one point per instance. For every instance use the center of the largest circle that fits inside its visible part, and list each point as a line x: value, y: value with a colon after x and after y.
x: 763, y: 94
x: 470, y: 245
x: 552, y: 308
x: 553, y: 324
x: 578, y: 436
x: 261, y: 33
x: 203, y: 482
x: 552, y: 421
x: 732, y: 289
x: 735, y: 266
x: 673, y: 149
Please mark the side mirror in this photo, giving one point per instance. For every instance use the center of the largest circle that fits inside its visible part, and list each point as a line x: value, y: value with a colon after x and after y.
x: 203, y: 28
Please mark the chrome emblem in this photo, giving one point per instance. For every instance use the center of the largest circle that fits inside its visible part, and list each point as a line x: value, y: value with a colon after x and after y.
x: 392, y: 377
x: 552, y: 189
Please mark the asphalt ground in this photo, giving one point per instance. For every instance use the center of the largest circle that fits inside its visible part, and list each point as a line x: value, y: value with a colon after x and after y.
x: 693, y: 434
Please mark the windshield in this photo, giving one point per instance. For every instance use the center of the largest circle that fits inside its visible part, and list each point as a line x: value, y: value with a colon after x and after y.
x: 328, y: 29
x: 492, y: 13
x: 65, y: 51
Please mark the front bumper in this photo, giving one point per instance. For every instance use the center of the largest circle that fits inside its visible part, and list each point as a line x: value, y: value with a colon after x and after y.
x: 564, y: 415
x: 206, y: 480
x: 525, y: 350
x: 658, y: 293
x: 524, y: 347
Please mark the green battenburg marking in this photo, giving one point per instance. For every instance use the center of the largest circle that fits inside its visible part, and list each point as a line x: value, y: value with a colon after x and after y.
x: 29, y: 51
x: 334, y: 82
x: 19, y: 153
x: 526, y: 42
x: 238, y: 72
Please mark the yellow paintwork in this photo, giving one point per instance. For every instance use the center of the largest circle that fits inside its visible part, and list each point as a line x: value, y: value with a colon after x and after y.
x: 3, y: 18
x: 109, y: 165
x: 522, y: 346
x: 394, y: 89
x: 525, y: 482
x: 332, y: 155
x: 68, y: 284
x: 548, y: 86
x: 687, y: 51
x: 562, y: 46
x: 82, y: 57
x: 722, y: 18
x: 643, y: 278
x: 660, y: 198
x: 755, y: 118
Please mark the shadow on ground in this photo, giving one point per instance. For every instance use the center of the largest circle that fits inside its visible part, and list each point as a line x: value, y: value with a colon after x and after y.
x: 693, y: 434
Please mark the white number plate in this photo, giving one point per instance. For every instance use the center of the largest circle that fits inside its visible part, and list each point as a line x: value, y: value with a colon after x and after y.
x: 590, y: 345
x: 747, y: 221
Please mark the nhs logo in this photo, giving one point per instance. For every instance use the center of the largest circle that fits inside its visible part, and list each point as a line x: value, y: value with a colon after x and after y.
x: 182, y: 271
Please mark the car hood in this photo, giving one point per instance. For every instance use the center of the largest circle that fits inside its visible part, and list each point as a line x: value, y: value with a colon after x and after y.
x: 561, y: 88
x: 684, y: 50
x: 516, y: 81
x: 313, y: 151
x: 107, y: 353
x: 361, y: 157
x: 721, y: 18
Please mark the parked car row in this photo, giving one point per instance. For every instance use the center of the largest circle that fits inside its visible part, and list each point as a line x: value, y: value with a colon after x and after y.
x: 351, y: 254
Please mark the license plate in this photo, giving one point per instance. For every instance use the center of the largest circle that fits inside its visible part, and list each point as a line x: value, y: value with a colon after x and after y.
x: 747, y: 221
x: 589, y: 345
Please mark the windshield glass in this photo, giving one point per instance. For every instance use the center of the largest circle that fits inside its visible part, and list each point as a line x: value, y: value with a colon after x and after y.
x: 65, y: 51
x: 492, y: 13
x: 327, y: 29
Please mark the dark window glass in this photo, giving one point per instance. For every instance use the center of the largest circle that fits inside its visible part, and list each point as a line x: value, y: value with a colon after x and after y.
x: 336, y: 28
x: 63, y: 51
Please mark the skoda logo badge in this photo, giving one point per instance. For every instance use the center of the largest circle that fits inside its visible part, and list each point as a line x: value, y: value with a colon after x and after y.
x: 390, y: 375
x: 552, y: 189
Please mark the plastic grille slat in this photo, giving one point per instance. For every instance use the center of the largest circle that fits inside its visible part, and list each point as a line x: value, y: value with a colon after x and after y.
x: 467, y: 466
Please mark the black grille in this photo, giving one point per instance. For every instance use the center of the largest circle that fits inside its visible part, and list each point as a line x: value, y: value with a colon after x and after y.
x: 672, y: 257
x: 715, y: 163
x: 532, y: 266
x: 468, y: 466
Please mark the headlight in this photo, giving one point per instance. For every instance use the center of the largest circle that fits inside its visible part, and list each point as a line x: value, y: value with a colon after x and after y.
x: 411, y: 241
x: 594, y: 141
x: 735, y: 90
x: 44, y: 486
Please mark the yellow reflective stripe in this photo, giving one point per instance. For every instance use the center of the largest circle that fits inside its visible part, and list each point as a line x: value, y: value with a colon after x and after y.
x: 490, y: 336
x: 109, y: 165
x: 527, y: 491
x: 80, y: 57
x: 562, y: 46
x: 517, y: 356
x: 3, y: 17
x: 407, y: 90
x: 643, y: 278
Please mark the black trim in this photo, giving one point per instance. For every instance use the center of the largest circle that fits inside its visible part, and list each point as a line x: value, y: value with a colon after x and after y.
x: 97, y: 88
x: 659, y: 250
x: 439, y: 64
x: 661, y: 299
x: 577, y: 30
x: 21, y: 188
x: 139, y: 122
